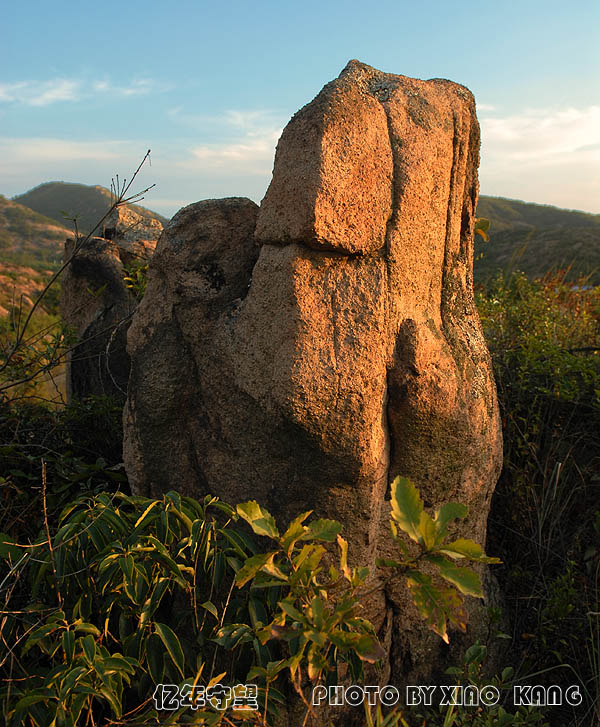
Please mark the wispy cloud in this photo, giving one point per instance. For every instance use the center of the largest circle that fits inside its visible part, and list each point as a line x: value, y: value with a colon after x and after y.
x: 539, y: 135
x: 247, y: 140
x: 555, y: 152
x: 250, y: 121
x: 40, y: 93
x: 251, y: 155
x: 137, y: 87
x: 43, y: 93
x: 38, y: 149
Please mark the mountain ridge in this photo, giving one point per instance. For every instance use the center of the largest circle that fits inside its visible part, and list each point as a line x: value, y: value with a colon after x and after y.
x: 88, y: 203
x: 532, y: 237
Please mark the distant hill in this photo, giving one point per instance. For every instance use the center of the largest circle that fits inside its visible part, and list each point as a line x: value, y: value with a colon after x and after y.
x: 536, y: 239
x: 28, y: 237
x: 54, y: 199
x: 33, y: 230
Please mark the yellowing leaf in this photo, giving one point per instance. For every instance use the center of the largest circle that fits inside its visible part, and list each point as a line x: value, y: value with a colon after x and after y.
x: 436, y: 604
x: 427, y: 529
x: 407, y: 507
x: 261, y: 521
x: 465, y: 548
x: 252, y: 566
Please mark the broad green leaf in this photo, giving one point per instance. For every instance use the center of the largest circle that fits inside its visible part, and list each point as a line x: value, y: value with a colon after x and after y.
x: 326, y: 530
x: 211, y: 608
x: 407, y: 507
x: 436, y: 605
x: 272, y: 569
x: 257, y: 611
x: 127, y: 566
x: 308, y: 559
x: 252, y: 566
x: 316, y: 661
x: 235, y: 540
x: 369, y: 649
x: 145, y: 516
x: 465, y: 579
x: 427, y: 529
x: 73, y: 677
x: 87, y: 628
x: 232, y: 634
x: 153, y: 602
x: 172, y: 645
x: 261, y: 521
x: 294, y: 532
x: 30, y: 699
x: 287, y: 606
x: 465, y: 548
x: 481, y: 227
x: 317, y: 637
x: 113, y: 700
x: 68, y: 644
x: 446, y: 514
x: 89, y: 649
x: 317, y: 611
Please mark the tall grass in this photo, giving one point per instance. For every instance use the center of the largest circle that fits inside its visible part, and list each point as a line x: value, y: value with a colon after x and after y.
x: 544, y: 337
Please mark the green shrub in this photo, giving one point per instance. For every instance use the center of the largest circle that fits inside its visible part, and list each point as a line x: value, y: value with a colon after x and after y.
x: 544, y: 338
x: 131, y: 592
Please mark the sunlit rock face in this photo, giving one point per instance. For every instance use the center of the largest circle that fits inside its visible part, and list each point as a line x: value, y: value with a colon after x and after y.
x: 305, y: 353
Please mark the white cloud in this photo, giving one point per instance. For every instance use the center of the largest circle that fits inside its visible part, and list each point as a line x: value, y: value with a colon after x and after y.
x: 543, y: 155
x: 137, y: 87
x: 247, y: 145
x: 38, y: 149
x: 40, y: 93
x: 43, y: 93
x: 253, y: 154
x: 542, y: 135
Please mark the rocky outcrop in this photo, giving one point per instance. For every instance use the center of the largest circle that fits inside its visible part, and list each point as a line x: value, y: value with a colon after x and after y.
x: 97, y: 306
x: 135, y: 234
x: 306, y: 358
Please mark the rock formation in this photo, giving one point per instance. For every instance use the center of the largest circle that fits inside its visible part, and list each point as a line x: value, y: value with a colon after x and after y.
x: 132, y: 231
x: 97, y: 305
x: 306, y: 353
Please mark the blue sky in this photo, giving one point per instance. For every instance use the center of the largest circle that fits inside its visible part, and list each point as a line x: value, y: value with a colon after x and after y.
x: 86, y: 88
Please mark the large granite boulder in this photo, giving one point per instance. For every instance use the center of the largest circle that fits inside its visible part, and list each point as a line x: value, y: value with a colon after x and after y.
x: 97, y: 305
x: 306, y: 353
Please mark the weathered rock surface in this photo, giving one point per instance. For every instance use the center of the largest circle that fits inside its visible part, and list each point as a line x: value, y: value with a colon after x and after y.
x: 97, y: 306
x: 136, y: 235
x: 347, y: 349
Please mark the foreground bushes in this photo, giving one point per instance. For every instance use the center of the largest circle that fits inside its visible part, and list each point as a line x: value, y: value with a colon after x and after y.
x: 118, y: 594
x: 544, y: 337
x: 131, y: 593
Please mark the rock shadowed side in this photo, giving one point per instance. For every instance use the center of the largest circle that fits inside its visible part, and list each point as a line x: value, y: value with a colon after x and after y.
x: 308, y: 373
x: 97, y: 305
x: 175, y: 415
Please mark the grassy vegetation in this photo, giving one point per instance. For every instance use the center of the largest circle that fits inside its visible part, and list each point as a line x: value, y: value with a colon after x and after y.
x: 544, y: 338
x: 113, y: 594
